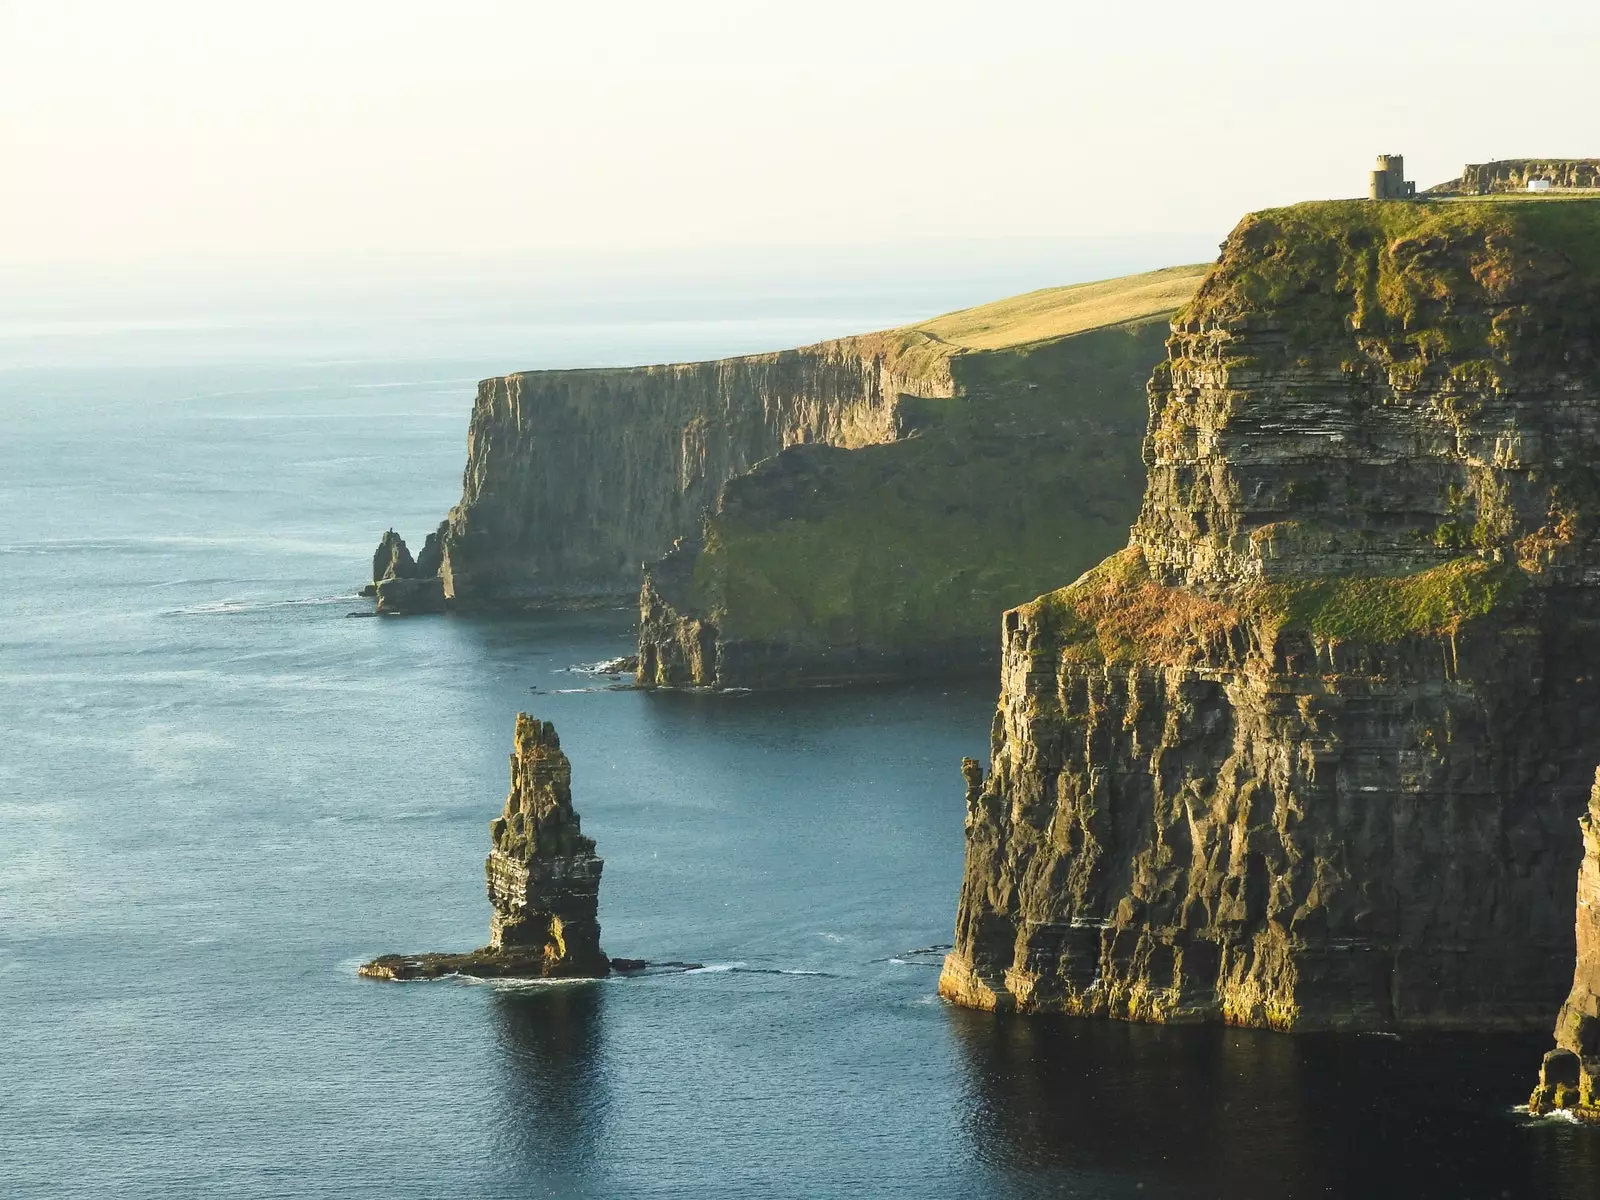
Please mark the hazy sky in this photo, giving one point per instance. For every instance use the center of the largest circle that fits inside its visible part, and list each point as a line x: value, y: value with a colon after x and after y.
x: 172, y: 129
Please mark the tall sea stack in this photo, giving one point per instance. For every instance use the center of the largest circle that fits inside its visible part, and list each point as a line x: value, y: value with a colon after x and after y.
x: 1310, y: 752
x: 1569, y: 1079
x: 543, y: 879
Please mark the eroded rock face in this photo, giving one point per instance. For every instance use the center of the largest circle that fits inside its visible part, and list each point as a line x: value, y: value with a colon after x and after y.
x: 1569, y: 1078
x: 543, y: 880
x: 1309, y: 752
x: 574, y: 478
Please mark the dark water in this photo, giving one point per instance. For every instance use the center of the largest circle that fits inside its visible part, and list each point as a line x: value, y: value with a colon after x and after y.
x: 218, y: 794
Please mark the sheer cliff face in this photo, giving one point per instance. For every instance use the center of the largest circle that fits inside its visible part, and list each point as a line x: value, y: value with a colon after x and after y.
x: 825, y: 565
x: 1309, y: 752
x: 1570, y: 1076
x: 573, y: 478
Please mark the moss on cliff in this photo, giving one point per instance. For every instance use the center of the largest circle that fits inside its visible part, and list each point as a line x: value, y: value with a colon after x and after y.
x: 1118, y: 613
x: 1439, y: 600
x: 922, y: 540
x: 1416, y: 276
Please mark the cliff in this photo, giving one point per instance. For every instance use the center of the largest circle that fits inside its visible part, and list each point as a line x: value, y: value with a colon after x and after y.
x: 1569, y: 1078
x: 891, y: 561
x: 1308, y: 753
x: 543, y: 880
x: 1513, y: 174
x: 574, y: 478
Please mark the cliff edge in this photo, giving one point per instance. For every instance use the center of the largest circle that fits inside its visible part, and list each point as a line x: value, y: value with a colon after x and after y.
x: 1308, y: 753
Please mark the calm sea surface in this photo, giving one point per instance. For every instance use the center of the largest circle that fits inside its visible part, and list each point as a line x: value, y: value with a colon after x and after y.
x: 219, y: 793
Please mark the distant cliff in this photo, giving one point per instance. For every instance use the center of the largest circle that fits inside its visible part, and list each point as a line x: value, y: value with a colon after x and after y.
x: 894, y: 561
x: 1514, y: 174
x: 1310, y: 752
x: 574, y: 478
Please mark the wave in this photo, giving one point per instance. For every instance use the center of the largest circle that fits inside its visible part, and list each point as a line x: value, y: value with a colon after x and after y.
x: 228, y: 608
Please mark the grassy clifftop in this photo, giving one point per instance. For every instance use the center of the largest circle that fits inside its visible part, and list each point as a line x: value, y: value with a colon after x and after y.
x: 1442, y: 277
x: 1063, y: 311
x: 926, y: 349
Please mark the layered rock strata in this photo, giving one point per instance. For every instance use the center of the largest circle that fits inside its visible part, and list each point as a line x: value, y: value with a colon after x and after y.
x: 1569, y: 1078
x: 1308, y: 753
x: 543, y: 880
x: 574, y: 478
x: 825, y: 565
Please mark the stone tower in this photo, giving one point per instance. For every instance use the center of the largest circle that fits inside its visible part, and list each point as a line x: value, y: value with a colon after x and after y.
x: 1388, y: 181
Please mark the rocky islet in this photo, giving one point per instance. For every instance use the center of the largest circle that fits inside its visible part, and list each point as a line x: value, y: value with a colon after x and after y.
x: 543, y: 881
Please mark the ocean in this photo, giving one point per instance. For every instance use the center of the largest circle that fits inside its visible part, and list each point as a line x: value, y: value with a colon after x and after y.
x: 222, y: 789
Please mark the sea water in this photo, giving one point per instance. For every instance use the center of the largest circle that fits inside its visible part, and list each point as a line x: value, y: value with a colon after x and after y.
x: 222, y: 786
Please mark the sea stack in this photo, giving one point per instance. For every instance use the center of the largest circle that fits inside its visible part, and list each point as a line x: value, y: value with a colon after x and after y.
x: 543, y: 880
x: 1569, y: 1079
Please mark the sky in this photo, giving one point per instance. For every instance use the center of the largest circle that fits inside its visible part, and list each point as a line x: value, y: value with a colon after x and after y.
x: 205, y: 131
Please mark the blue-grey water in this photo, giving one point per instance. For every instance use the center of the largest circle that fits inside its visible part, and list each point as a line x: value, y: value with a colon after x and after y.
x: 219, y: 793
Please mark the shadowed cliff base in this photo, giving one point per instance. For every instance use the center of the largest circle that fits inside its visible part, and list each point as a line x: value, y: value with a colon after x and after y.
x: 1310, y: 753
x: 1108, y: 1109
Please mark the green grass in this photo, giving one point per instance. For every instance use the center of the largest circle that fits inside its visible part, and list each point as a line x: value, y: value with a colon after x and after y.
x: 915, y: 541
x: 1063, y: 311
x: 1433, y: 279
x: 1116, y: 612
x: 930, y: 350
x: 1369, y: 609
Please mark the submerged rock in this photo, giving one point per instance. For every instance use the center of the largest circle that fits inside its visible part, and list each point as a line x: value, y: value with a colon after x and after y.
x: 543, y: 880
x: 1569, y: 1078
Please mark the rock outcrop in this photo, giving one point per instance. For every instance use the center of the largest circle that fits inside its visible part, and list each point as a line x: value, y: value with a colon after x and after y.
x: 1569, y: 1078
x: 402, y: 585
x: 825, y: 565
x: 1309, y: 752
x: 543, y: 880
